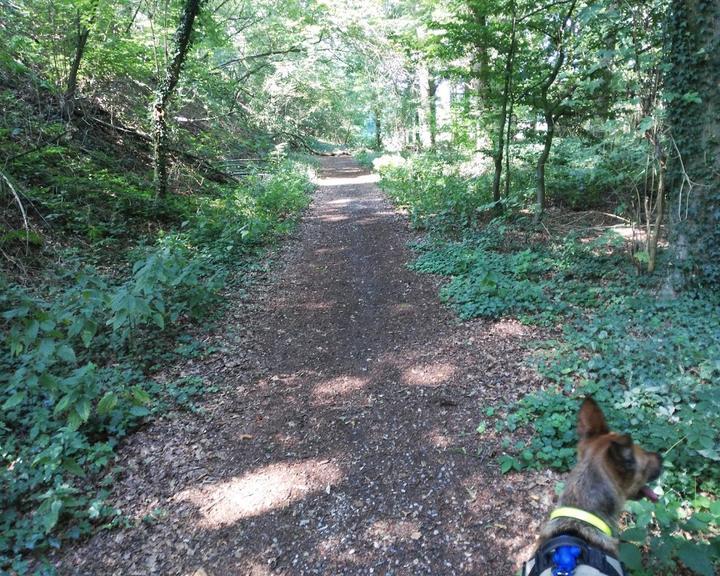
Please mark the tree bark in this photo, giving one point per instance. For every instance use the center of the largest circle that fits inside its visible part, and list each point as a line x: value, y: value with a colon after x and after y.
x: 423, y: 79
x: 181, y: 45
x: 71, y: 86
x: 432, y: 103
x: 378, y: 131
x: 500, y: 135
x: 508, y: 140
x: 694, y: 116
x: 542, y: 161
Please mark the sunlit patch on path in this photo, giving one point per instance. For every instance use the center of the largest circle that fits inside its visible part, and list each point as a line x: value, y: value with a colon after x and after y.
x: 351, y: 181
x: 263, y: 490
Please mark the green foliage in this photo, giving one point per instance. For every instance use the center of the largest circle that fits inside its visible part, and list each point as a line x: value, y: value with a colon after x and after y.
x: 653, y: 364
x: 433, y: 191
x: 491, y: 276
x: 596, y: 175
x: 72, y: 358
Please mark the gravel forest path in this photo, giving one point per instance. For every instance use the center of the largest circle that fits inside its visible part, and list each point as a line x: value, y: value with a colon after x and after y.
x: 343, y: 438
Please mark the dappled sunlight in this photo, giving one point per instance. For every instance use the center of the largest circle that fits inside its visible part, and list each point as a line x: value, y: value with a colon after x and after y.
x: 338, y: 387
x: 429, y: 374
x: 509, y: 328
x: 337, y: 548
x: 439, y: 439
x: 341, y: 202
x: 390, y: 531
x: 349, y: 181
x: 333, y: 218
x: 500, y: 521
x: 266, y: 489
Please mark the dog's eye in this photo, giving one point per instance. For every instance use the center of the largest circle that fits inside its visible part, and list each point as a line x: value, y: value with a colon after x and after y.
x: 622, y: 453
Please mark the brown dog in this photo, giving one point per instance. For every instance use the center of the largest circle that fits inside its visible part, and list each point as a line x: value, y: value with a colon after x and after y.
x: 610, y: 470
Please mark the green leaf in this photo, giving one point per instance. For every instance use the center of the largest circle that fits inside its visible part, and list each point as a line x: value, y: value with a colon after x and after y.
x: 14, y: 400
x: 71, y: 465
x: 47, y: 346
x: 696, y: 557
x: 637, y: 535
x: 51, y: 516
x: 159, y: 320
x: 139, y: 411
x: 631, y: 556
x: 66, y: 353
x: 506, y: 463
x: 83, y: 409
x: 107, y: 403
x: 74, y: 420
x: 140, y: 395
x: 63, y: 404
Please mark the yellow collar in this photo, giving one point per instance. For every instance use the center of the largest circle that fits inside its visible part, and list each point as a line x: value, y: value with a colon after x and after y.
x: 578, y: 514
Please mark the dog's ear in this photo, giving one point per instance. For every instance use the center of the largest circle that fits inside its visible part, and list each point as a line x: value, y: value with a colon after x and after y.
x: 591, y: 421
x: 622, y: 455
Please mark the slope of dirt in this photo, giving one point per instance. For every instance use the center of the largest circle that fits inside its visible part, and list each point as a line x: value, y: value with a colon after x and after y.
x: 344, y: 439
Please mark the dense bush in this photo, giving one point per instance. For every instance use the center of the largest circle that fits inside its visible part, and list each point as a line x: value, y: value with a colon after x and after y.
x: 607, y: 173
x: 71, y: 362
x: 434, y: 192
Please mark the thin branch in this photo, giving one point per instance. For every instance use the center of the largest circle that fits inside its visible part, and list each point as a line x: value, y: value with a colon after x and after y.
x: 543, y: 8
x: 685, y: 179
x: 293, y: 49
x: 132, y: 21
x: 18, y: 201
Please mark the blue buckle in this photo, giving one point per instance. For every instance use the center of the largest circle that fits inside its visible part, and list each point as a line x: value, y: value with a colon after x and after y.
x: 565, y: 560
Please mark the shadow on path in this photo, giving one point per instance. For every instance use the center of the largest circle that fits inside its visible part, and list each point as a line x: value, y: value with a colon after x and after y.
x: 346, y: 443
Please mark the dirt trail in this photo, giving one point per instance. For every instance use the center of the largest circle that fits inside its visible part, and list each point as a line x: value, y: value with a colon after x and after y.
x: 344, y: 439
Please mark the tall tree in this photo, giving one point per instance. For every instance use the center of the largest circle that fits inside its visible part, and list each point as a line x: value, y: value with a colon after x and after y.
x: 505, y: 96
x: 550, y: 109
x: 181, y: 45
x: 693, y: 84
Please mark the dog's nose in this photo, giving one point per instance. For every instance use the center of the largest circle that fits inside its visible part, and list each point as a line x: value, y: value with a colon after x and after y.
x: 657, y: 470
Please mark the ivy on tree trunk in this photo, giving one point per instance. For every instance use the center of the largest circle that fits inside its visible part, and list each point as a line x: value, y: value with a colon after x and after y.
x: 694, y: 115
x: 181, y: 44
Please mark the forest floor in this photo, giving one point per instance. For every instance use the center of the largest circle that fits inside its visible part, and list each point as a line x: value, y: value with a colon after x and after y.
x: 343, y: 438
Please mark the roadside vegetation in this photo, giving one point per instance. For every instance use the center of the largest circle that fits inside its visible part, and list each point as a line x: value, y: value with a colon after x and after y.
x: 557, y: 192
x: 653, y: 362
x: 561, y: 159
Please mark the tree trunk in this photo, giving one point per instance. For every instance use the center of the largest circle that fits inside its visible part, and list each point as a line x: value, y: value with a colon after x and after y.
x: 508, y: 140
x: 423, y: 79
x: 181, y: 45
x: 481, y: 70
x: 378, y: 130
x: 432, y: 89
x: 540, y: 169
x: 71, y: 86
x: 693, y: 183
x: 500, y: 135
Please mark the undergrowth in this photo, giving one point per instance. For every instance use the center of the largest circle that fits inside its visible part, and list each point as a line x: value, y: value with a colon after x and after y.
x: 652, y: 363
x: 79, y: 343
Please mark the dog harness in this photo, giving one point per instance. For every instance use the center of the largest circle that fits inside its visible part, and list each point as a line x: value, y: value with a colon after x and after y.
x: 567, y: 555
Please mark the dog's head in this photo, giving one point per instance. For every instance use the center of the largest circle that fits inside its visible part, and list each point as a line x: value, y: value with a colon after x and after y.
x: 630, y: 466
